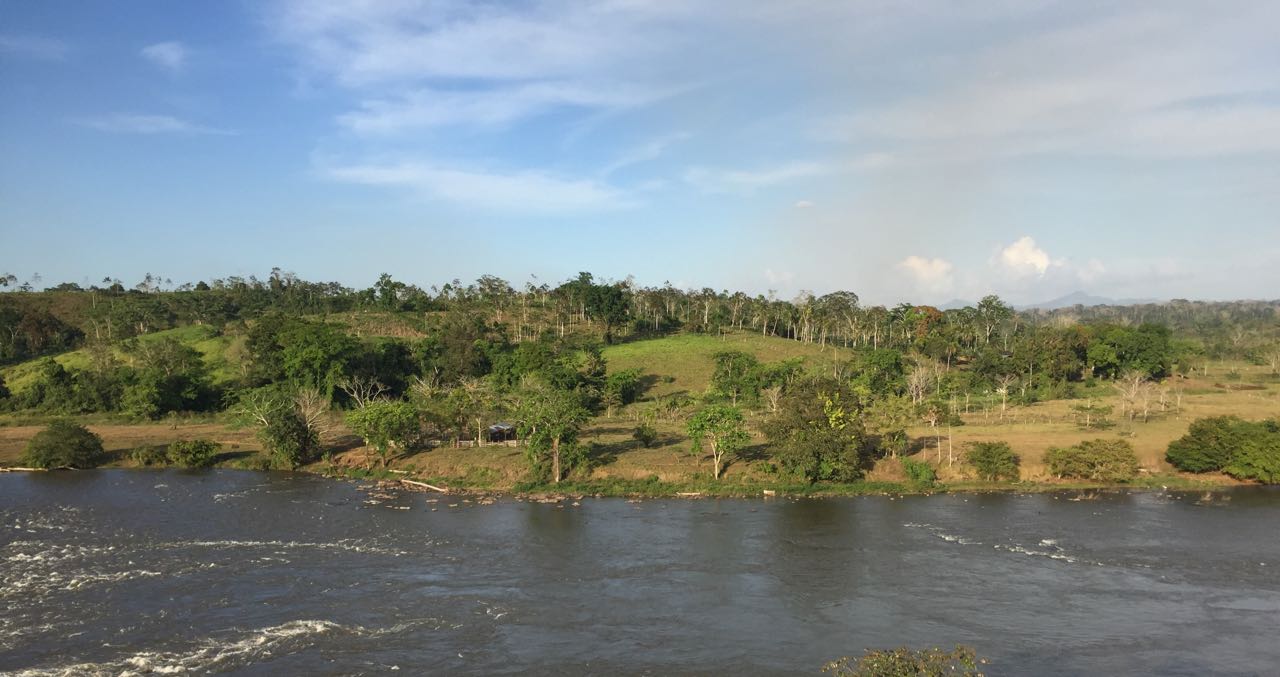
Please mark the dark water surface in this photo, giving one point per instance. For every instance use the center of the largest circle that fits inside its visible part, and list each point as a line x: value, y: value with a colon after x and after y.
x: 255, y: 573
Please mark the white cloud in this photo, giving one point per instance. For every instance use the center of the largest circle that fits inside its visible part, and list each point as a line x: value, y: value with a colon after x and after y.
x: 933, y: 276
x: 133, y: 123
x: 803, y: 204
x: 426, y: 108
x: 523, y: 191
x: 1024, y: 257
x: 171, y: 56
x: 34, y: 47
x: 735, y: 180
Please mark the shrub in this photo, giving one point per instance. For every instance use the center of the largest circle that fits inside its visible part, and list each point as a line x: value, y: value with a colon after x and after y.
x: 646, y: 435
x: 907, y: 662
x: 289, y: 440
x: 63, y: 445
x: 150, y: 455
x: 1258, y: 458
x: 1100, y: 460
x: 1208, y: 444
x: 994, y: 461
x: 919, y: 472
x: 193, y: 453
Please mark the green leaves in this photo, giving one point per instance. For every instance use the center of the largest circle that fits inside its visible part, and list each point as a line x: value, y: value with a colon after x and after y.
x: 384, y: 425
x: 723, y: 429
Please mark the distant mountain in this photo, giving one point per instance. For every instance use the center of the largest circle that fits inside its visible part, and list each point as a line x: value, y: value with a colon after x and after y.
x: 955, y: 304
x: 1080, y: 298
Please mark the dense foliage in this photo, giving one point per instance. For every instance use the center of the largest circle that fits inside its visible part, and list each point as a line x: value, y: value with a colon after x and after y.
x: 817, y: 432
x: 1099, y: 460
x: 993, y: 461
x: 1243, y: 449
x: 193, y: 453
x: 63, y: 444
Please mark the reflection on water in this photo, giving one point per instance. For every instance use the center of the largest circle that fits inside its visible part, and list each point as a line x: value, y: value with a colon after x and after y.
x: 113, y: 572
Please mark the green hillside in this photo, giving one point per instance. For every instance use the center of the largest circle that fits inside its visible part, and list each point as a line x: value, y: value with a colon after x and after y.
x: 685, y: 362
x: 219, y: 351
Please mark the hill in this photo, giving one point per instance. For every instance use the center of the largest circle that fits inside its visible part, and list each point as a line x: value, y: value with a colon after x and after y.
x: 683, y: 363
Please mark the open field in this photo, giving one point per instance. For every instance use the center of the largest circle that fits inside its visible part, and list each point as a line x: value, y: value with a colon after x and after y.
x: 684, y: 363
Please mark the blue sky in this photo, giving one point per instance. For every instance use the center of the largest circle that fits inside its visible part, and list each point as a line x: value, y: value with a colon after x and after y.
x: 902, y: 150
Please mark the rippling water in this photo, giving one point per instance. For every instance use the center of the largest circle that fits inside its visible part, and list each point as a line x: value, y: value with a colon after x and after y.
x: 118, y: 572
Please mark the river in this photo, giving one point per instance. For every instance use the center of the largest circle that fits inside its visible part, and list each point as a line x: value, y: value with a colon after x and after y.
x: 115, y: 571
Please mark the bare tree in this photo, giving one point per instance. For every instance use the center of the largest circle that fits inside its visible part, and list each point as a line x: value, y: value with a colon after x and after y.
x: 1130, y: 386
x: 773, y: 396
x: 1003, y: 384
x: 313, y: 406
x: 362, y: 389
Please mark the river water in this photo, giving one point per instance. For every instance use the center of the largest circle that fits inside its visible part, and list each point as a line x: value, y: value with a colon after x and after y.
x: 111, y: 572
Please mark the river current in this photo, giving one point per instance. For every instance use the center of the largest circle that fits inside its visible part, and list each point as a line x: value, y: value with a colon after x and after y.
x: 116, y: 572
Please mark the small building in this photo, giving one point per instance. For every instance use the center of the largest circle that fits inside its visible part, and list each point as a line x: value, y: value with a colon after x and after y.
x: 502, y: 432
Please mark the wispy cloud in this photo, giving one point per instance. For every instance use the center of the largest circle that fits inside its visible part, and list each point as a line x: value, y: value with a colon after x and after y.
x: 522, y: 191
x: 428, y: 107
x: 134, y: 123
x: 171, y: 56
x: 361, y: 43
x: 1159, y: 82
x: 34, y: 47
x: 650, y: 150
x: 734, y: 180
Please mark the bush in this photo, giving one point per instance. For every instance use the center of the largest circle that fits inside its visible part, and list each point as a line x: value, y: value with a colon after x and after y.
x: 1243, y: 449
x: 63, y: 445
x: 1257, y: 459
x: 907, y: 662
x: 994, y: 461
x: 289, y: 441
x: 919, y: 472
x: 150, y: 455
x: 1099, y: 460
x: 193, y: 453
x: 646, y: 435
x: 1209, y: 444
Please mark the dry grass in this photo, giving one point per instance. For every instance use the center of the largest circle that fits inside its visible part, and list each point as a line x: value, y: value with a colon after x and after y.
x: 1033, y: 430
x: 119, y: 439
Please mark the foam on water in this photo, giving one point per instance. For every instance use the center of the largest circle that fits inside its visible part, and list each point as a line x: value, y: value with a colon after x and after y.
x: 1047, y: 547
x: 240, y: 648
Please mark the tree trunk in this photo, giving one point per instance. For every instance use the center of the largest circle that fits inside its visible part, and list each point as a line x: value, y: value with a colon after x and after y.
x: 555, y: 460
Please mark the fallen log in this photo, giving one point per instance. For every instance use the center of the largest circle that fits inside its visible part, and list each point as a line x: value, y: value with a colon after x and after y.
x: 20, y: 469
x: 424, y: 485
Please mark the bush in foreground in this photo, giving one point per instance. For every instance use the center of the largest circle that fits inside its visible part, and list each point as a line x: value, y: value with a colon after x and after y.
x: 193, y: 453
x: 1099, y: 460
x: 63, y: 445
x: 993, y: 461
x: 907, y: 662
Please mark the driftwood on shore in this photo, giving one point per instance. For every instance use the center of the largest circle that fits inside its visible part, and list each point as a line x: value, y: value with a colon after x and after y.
x: 424, y: 485
x: 20, y: 469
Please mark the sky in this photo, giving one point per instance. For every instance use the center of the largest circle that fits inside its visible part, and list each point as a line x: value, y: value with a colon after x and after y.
x: 901, y: 149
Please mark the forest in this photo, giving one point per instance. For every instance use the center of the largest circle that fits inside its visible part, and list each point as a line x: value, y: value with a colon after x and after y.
x: 407, y: 369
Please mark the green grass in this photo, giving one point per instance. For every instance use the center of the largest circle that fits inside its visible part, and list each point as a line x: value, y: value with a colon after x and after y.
x: 216, y: 350
x: 685, y: 362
